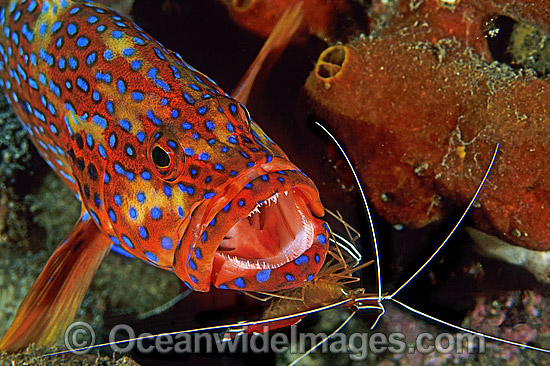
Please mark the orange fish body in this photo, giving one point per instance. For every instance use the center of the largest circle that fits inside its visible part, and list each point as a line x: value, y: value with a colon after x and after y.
x: 168, y: 167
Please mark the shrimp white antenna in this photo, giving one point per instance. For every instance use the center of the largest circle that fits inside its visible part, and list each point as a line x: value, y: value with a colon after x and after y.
x: 348, y: 247
x: 239, y: 325
x: 371, y: 223
x: 454, y: 228
x: 373, y: 231
x: 323, y: 340
x: 167, y: 305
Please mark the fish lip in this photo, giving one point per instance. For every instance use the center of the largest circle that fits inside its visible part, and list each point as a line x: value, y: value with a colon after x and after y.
x: 190, y: 242
x: 277, y: 164
x: 233, y: 188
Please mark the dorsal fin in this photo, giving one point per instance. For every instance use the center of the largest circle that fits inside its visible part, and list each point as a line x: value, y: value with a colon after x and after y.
x: 275, y: 44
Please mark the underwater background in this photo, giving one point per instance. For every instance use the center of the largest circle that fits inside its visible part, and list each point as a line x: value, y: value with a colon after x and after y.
x: 462, y: 287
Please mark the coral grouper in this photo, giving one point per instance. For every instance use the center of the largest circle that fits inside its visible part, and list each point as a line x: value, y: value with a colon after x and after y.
x: 167, y: 166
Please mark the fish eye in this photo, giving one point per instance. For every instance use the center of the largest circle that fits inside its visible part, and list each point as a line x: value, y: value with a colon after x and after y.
x: 161, y: 157
x: 165, y: 158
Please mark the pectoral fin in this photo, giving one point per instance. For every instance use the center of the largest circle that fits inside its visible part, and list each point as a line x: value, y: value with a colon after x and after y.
x: 55, y: 296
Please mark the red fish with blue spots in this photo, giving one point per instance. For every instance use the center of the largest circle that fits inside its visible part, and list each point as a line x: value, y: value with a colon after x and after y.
x: 168, y: 167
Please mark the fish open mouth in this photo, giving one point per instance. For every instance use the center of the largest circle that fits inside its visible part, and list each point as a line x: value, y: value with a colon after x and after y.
x: 278, y: 230
x: 258, y: 233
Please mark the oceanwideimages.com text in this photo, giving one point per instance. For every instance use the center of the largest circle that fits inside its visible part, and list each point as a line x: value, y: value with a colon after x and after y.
x: 80, y: 338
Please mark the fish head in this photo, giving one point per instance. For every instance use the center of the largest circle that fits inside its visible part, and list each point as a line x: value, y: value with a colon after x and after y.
x: 194, y: 185
x: 253, y: 226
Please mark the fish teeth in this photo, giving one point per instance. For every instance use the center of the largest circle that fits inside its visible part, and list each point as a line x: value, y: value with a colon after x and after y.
x: 249, y: 263
x: 290, y: 253
x: 306, y: 224
x: 256, y: 210
x: 273, y: 199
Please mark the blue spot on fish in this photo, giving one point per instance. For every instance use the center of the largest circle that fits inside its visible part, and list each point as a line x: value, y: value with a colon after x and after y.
x: 125, y: 124
x: 127, y: 241
x: 166, y: 243
x: 321, y: 239
x: 151, y: 256
x: 98, y: 120
x: 137, y: 96
x: 239, y: 282
x: 117, y: 34
x: 143, y: 232
x: 263, y: 276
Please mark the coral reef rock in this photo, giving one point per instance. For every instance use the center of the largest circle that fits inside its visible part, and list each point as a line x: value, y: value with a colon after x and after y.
x: 420, y: 116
